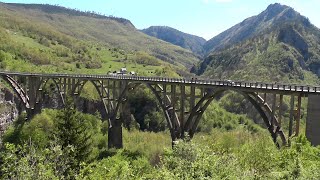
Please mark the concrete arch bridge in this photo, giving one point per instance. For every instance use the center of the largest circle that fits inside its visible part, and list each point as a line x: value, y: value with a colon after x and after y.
x: 183, y: 101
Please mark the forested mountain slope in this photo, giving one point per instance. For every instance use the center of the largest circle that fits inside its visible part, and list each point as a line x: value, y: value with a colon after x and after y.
x: 277, y: 45
x: 171, y: 35
x: 275, y: 15
x: 60, y: 37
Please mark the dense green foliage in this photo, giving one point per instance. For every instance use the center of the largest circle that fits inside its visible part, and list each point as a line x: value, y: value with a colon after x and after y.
x: 72, y: 131
x: 77, y: 138
x: 37, y: 150
x: 220, y: 154
x: 66, y: 144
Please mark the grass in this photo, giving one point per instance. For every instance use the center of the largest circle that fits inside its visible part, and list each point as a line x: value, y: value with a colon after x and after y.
x: 153, y: 145
x: 150, y: 144
x: 112, y: 59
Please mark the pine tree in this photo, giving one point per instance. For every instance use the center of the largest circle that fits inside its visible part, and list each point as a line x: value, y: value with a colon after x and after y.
x: 74, y: 136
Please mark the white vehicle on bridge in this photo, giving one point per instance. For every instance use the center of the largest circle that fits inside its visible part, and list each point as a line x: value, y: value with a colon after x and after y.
x: 230, y: 82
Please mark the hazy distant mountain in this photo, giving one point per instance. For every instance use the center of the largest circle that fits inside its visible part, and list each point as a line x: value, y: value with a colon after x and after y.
x: 277, y: 45
x: 171, y: 35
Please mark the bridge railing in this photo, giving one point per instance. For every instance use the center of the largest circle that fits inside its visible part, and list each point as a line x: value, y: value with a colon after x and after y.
x: 194, y: 80
x: 244, y: 84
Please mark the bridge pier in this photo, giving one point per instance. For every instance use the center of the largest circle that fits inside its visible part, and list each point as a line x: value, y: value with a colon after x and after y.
x: 31, y: 112
x: 115, y: 134
x: 313, y: 120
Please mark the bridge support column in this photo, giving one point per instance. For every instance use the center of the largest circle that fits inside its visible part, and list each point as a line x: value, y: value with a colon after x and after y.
x: 115, y: 134
x: 32, y: 90
x: 30, y: 113
x: 291, y: 117
x: 115, y: 107
x: 313, y: 120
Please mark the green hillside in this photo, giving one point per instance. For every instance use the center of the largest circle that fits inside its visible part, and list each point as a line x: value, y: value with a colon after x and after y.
x: 47, y: 38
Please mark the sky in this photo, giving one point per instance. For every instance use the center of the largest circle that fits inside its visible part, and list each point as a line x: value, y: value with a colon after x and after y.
x: 204, y: 18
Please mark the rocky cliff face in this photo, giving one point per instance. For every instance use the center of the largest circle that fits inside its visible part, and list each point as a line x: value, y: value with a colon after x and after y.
x: 8, y: 110
x: 10, y: 106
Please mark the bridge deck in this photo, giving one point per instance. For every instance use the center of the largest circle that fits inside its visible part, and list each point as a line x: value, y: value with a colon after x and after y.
x: 288, y: 89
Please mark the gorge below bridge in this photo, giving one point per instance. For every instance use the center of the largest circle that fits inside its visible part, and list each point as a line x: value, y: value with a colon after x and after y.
x: 183, y: 101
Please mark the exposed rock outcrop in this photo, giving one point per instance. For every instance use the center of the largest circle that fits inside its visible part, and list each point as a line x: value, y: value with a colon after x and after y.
x: 8, y: 110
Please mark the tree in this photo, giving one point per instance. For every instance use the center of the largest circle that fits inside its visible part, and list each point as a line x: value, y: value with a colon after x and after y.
x: 74, y: 136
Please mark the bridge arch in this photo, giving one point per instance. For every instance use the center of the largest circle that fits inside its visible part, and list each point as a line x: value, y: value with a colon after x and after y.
x: 197, y: 111
x: 262, y: 108
x: 43, y: 85
x: 18, y: 90
x: 78, y: 88
x: 30, y: 93
x: 173, y: 123
x: 112, y: 107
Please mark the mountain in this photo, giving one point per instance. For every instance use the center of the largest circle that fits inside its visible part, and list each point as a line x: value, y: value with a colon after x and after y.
x: 176, y: 37
x: 277, y: 45
x: 273, y: 16
x: 62, y: 39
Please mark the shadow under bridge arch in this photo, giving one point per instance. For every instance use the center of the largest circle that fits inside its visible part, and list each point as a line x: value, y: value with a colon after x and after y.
x: 90, y: 106
x: 164, y: 100
x: 50, y: 94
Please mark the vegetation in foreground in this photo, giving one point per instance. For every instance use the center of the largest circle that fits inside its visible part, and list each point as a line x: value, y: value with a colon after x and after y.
x: 67, y: 144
